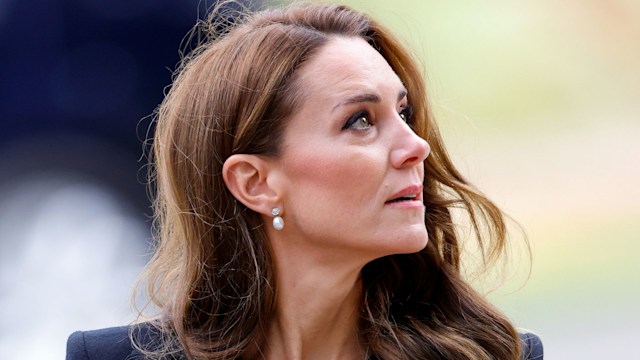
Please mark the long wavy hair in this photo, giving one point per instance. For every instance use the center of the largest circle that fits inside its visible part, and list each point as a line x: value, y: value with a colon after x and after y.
x: 212, y: 273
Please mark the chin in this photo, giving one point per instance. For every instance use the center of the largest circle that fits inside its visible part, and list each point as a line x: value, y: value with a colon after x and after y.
x: 420, y: 244
x: 410, y: 243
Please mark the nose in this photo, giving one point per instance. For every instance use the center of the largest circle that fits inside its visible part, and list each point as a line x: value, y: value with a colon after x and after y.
x: 409, y: 148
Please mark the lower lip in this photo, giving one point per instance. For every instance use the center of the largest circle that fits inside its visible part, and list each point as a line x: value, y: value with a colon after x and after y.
x: 407, y: 204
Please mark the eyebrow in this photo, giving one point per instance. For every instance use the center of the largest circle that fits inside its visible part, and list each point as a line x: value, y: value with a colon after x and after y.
x: 366, y: 98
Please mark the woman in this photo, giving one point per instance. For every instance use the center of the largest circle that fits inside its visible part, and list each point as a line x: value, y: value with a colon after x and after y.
x: 303, y: 204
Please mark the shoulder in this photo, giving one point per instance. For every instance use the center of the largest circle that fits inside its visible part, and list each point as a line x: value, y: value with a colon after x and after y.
x: 110, y: 343
x: 531, y: 346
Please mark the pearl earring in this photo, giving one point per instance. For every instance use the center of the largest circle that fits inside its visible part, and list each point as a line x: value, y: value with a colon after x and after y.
x: 278, y: 222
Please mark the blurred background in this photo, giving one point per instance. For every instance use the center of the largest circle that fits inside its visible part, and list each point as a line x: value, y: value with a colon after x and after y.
x: 78, y: 79
x: 539, y: 102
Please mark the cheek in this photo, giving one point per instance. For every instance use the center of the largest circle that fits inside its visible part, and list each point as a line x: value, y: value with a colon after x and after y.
x: 335, y: 182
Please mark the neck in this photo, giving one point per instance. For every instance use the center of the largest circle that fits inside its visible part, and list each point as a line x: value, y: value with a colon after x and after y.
x: 317, y: 310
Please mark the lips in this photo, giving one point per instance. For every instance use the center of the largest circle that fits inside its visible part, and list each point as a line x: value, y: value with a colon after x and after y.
x: 410, y: 193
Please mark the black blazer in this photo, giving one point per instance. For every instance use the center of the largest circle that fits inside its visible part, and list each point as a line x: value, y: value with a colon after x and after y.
x: 114, y: 344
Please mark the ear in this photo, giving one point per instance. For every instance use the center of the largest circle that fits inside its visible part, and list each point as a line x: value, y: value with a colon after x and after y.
x: 246, y: 178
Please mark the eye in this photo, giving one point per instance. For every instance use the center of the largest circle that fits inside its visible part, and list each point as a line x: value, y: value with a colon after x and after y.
x: 406, y: 114
x: 359, y: 121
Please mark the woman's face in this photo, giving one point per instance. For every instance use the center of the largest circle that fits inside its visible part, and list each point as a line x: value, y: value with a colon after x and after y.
x: 352, y: 166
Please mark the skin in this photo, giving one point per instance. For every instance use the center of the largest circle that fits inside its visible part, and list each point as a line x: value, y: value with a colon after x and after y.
x: 332, y: 184
x: 335, y: 180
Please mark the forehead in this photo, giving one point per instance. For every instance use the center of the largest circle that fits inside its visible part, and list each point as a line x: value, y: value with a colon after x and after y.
x: 345, y: 65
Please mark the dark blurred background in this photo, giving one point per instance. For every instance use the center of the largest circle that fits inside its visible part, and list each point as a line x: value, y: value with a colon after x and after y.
x: 78, y: 81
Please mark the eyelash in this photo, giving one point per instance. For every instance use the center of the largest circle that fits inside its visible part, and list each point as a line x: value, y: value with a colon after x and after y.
x: 352, y: 120
x: 407, y: 112
x: 408, y: 115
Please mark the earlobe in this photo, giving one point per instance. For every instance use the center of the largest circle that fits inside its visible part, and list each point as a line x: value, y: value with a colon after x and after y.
x: 246, y: 178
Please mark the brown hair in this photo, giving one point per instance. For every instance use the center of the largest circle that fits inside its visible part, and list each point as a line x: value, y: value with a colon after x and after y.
x: 212, y: 273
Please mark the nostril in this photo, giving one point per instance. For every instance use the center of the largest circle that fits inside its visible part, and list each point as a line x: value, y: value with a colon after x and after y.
x: 412, y: 159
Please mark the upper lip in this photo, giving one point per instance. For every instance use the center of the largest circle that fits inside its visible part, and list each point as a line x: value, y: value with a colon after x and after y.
x: 414, y: 191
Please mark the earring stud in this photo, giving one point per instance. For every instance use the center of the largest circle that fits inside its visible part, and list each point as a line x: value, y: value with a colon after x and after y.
x: 278, y: 222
